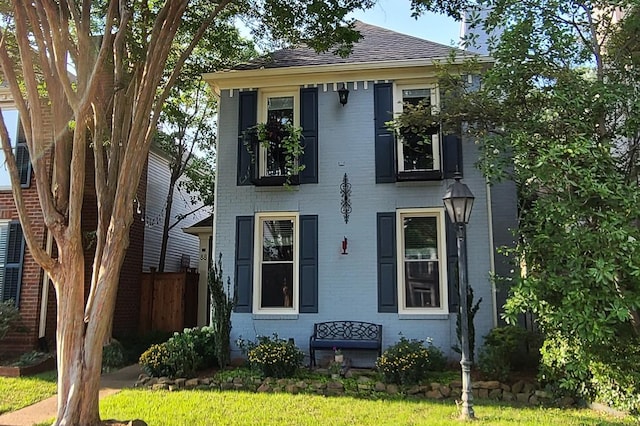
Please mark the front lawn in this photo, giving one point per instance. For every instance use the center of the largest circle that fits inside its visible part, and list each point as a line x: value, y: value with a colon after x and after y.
x: 240, y: 408
x: 19, y: 392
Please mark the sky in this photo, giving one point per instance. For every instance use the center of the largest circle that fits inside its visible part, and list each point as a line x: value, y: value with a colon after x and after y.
x: 395, y: 15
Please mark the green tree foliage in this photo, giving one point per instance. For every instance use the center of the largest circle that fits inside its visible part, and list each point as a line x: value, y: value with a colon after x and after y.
x: 558, y: 114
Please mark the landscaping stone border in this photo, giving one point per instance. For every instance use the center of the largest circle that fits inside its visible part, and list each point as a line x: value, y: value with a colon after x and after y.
x: 521, y: 391
x: 47, y: 364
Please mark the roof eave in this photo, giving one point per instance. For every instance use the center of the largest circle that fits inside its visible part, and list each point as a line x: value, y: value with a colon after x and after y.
x: 232, y: 79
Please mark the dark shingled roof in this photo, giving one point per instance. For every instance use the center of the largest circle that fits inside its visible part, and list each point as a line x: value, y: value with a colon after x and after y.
x: 377, y: 45
x: 206, y: 222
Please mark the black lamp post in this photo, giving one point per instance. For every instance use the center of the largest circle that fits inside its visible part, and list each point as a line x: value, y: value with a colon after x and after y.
x: 458, y: 201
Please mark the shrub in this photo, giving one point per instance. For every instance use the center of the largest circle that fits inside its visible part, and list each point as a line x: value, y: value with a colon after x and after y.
x: 112, y: 356
x: 9, y: 317
x: 408, y: 361
x: 221, y: 308
x: 134, y: 345
x: 156, y: 361
x: 272, y: 356
x: 182, y: 355
x: 508, y: 348
x: 606, y: 372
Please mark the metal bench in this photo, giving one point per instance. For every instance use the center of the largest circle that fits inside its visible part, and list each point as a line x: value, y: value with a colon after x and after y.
x: 345, y: 335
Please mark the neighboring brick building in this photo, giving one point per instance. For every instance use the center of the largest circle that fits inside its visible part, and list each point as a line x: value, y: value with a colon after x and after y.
x: 22, y: 279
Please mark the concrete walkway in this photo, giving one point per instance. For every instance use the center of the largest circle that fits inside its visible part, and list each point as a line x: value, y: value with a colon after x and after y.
x: 45, y: 410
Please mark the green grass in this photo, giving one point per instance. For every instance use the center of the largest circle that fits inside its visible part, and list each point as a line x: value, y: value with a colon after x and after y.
x: 19, y: 392
x: 241, y: 408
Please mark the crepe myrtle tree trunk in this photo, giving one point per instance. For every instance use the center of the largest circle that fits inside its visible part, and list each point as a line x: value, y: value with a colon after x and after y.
x: 110, y: 106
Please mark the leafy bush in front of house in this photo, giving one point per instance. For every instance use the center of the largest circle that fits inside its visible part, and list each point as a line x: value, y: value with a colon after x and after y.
x: 603, y: 372
x: 506, y: 349
x: 182, y: 355
x: 409, y: 361
x: 135, y: 345
x: 112, y: 356
x: 9, y: 317
x: 272, y: 356
x: 156, y: 361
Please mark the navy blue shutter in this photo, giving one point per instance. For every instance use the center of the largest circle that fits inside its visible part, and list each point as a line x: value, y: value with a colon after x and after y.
x: 247, y: 117
x: 385, y: 143
x: 24, y: 165
x: 309, y: 124
x: 452, y: 265
x: 13, y: 263
x: 309, y: 264
x: 451, y: 155
x: 387, y: 278
x: 244, y: 264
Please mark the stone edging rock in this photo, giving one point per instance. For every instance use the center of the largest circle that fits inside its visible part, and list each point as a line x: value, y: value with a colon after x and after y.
x: 521, y: 391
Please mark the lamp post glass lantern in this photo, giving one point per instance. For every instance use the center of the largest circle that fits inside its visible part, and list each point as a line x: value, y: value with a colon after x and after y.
x: 458, y: 201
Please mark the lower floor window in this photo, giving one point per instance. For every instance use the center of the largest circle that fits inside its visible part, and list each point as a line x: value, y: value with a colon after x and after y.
x: 421, y: 255
x: 276, y: 281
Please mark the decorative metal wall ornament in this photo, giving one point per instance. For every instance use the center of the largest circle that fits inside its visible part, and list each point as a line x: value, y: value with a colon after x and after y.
x: 345, y: 193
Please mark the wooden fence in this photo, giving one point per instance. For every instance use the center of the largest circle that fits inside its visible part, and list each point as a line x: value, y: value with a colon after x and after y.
x: 168, y: 301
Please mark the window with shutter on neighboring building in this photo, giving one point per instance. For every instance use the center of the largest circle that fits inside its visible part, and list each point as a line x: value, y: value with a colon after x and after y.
x: 11, y: 257
x: 17, y: 138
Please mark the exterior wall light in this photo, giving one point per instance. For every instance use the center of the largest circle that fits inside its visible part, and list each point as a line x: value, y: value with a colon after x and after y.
x: 343, y: 94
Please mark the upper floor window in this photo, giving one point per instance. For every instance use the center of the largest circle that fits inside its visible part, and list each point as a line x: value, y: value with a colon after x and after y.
x: 422, y: 274
x: 278, y: 110
x: 276, y: 254
x: 417, y: 153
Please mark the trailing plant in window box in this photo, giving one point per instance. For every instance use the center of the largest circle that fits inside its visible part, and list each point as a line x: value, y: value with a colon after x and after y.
x: 282, y: 141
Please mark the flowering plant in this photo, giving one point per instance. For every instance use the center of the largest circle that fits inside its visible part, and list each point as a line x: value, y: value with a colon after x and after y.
x: 408, y: 361
x: 272, y: 356
x: 337, y: 351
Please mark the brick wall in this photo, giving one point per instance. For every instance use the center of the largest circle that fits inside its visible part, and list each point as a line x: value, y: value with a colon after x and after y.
x: 30, y: 290
x: 128, y: 297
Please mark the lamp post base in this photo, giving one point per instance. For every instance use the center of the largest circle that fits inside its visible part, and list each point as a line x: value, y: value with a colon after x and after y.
x: 467, y: 395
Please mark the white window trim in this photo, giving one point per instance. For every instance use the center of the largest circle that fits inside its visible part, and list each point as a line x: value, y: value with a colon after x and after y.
x: 435, y: 106
x: 438, y: 213
x: 257, y: 263
x: 4, y: 224
x: 263, y: 96
x: 13, y: 134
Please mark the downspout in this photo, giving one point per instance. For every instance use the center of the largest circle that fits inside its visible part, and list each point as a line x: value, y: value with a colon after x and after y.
x: 492, y: 259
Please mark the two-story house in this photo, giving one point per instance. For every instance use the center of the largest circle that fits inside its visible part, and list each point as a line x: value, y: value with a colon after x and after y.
x: 362, y: 233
